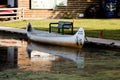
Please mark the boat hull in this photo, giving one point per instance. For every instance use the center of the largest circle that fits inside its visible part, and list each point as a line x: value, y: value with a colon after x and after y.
x: 76, y: 40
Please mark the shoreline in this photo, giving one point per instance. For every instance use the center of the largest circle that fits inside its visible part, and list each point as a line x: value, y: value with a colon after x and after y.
x: 91, y: 42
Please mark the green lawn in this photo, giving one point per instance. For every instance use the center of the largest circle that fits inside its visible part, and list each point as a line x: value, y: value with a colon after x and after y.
x: 93, y: 27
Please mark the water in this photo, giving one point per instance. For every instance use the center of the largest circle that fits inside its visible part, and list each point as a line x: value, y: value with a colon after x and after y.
x: 36, y: 57
x: 8, y: 57
x: 48, y: 53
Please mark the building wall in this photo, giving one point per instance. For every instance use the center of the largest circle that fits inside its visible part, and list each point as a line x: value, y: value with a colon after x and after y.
x: 72, y: 10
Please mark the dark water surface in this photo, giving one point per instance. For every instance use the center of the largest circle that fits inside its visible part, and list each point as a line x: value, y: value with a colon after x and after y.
x: 36, y: 56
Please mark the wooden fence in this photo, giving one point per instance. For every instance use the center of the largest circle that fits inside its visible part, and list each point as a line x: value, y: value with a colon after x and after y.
x: 12, y: 13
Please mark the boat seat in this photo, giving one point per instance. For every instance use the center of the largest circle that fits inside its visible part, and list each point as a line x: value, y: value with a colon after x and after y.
x: 61, y: 25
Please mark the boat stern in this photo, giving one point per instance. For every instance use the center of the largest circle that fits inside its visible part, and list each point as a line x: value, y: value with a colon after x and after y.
x: 80, y: 37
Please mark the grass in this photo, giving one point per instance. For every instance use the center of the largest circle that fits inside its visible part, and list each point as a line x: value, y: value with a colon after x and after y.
x: 110, y: 28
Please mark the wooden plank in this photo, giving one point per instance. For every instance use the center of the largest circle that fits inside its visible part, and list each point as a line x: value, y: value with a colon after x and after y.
x: 3, y: 13
x: 8, y: 16
x: 10, y: 42
x: 103, y: 42
x: 13, y: 30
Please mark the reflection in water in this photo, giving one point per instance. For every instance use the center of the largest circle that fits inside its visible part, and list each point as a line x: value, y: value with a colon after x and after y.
x: 52, y: 53
x: 8, y: 57
x: 42, y: 56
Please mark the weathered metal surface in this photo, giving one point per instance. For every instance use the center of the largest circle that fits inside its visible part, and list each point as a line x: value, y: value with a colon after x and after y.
x: 91, y: 41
